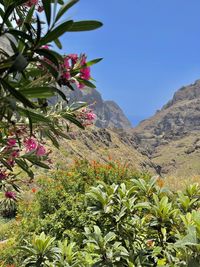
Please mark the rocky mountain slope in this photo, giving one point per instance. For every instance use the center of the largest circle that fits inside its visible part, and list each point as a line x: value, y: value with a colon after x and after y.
x: 101, y: 145
x: 109, y: 114
x: 168, y: 143
x: 171, y: 138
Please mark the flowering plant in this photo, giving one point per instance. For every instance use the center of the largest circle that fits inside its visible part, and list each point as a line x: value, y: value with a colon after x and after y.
x: 31, y: 73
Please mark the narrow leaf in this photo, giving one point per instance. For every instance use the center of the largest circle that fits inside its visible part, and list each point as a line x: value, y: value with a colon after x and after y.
x: 92, y: 62
x: 87, y: 25
x: 19, y: 96
x: 47, y: 10
x: 58, y: 43
x: 56, y: 32
x: 65, y: 7
x: 72, y: 119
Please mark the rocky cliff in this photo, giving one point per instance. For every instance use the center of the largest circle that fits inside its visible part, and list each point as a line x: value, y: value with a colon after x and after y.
x: 171, y: 137
x: 109, y: 114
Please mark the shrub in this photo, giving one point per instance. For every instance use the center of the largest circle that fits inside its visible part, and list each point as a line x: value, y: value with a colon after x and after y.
x: 137, y: 222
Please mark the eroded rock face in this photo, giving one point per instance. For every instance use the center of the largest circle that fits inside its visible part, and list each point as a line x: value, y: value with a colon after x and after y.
x: 173, y: 131
x: 189, y: 92
x: 176, y: 119
x: 109, y: 114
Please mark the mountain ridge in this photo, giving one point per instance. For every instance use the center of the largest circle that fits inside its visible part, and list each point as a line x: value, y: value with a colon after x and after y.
x: 168, y: 143
x: 170, y: 137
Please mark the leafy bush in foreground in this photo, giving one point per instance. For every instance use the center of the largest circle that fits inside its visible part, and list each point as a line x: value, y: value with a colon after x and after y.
x: 130, y: 222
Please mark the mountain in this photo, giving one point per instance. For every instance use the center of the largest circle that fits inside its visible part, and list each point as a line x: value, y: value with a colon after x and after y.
x: 102, y: 145
x: 171, y: 138
x: 168, y: 143
x: 109, y: 114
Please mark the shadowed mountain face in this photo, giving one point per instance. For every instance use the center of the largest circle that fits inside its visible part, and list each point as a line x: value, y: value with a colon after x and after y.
x: 109, y: 114
x: 171, y: 138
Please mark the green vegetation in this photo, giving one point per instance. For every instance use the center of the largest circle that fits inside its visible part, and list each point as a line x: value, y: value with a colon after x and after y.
x: 91, y: 214
x: 103, y: 215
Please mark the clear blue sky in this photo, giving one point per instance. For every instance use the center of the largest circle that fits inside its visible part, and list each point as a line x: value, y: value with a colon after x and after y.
x: 150, y: 48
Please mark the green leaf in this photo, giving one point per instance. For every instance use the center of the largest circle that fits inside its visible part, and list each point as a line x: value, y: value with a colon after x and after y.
x: 61, y: 2
x: 39, y: 29
x: 56, y: 32
x: 6, y: 164
x: 87, y: 25
x: 24, y: 166
x: 72, y: 118
x: 58, y: 43
x: 38, y: 163
x: 8, y: 23
x: 38, y: 92
x: 86, y: 83
x: 65, y: 7
x: 52, y: 138
x: 92, y: 62
x: 36, y: 117
x: 42, y: 92
x: 47, y: 10
x: 77, y: 105
x: 50, y: 68
x: 21, y: 34
x: 51, y: 55
x: 9, y: 10
x: 29, y: 15
x: 19, y: 96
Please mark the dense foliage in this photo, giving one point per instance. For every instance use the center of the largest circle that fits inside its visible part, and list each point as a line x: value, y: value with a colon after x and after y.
x: 32, y: 71
x: 71, y: 218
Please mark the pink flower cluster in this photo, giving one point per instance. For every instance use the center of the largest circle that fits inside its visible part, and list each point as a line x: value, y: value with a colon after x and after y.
x: 3, y: 175
x: 10, y: 195
x: 36, y: 3
x: 74, y: 70
x: 13, y: 149
x: 32, y: 144
x: 86, y: 116
x: 16, y: 145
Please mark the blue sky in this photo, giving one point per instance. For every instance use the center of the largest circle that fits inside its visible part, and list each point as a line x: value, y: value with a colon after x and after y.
x: 150, y: 48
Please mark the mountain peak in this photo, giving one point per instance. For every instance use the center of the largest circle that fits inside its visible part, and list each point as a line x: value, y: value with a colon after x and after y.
x: 189, y: 92
x: 109, y: 114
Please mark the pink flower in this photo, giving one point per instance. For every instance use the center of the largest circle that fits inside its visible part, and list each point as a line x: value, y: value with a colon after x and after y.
x: 90, y: 116
x: 11, y: 142
x: 40, y: 8
x: 85, y: 73
x: 74, y: 58
x: 45, y: 47
x: 30, y: 144
x: 66, y: 75
x: 83, y: 60
x: 11, y: 162
x: 80, y: 85
x: 66, y: 64
x: 86, y: 116
x: 41, y: 151
x: 30, y: 3
x: 10, y: 194
x: 15, y: 154
x: 3, y: 175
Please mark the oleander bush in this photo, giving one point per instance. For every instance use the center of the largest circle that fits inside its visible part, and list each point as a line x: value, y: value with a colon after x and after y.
x: 34, y: 80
